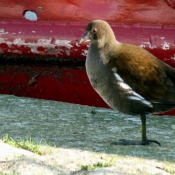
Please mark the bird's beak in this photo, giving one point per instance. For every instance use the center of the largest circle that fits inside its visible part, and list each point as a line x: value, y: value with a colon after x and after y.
x: 84, y: 38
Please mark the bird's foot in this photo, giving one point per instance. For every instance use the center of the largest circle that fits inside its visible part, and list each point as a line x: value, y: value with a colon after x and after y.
x: 133, y: 142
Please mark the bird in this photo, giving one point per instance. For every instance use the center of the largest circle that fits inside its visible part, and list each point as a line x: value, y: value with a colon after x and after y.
x: 127, y: 77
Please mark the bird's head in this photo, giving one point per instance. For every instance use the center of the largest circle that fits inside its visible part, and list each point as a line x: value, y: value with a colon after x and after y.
x: 98, y: 32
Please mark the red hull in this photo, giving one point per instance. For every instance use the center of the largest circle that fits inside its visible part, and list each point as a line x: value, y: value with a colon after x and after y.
x: 41, y: 59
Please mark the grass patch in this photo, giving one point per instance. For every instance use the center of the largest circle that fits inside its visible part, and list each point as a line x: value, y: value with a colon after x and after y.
x: 28, y: 144
x: 8, y: 174
x: 169, y: 170
x: 97, y: 165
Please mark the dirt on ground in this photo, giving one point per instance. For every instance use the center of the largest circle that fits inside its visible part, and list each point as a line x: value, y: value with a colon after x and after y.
x: 80, y: 140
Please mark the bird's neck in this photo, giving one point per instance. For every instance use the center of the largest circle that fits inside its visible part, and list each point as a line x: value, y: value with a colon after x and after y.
x: 107, y: 49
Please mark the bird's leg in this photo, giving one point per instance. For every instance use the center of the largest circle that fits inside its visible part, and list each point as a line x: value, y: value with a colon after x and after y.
x: 144, y: 141
x: 144, y: 137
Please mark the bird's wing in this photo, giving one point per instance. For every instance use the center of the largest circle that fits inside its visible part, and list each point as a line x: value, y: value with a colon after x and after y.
x: 130, y: 101
x: 146, y: 75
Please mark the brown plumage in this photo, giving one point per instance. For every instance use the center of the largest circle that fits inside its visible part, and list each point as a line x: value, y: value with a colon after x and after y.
x: 127, y: 77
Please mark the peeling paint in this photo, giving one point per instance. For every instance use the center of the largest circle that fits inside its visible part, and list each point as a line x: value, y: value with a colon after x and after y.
x: 173, y: 57
x: 65, y: 43
x: 77, y: 44
x: 146, y: 44
x: 45, y: 43
x: 165, y: 46
x: 59, y: 41
x: 2, y: 32
x: 85, y: 52
x: 34, y: 49
x: 18, y: 42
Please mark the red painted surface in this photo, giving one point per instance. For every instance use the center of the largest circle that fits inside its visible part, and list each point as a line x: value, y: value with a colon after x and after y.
x: 37, y: 57
x: 118, y: 11
x: 60, y: 39
x: 52, y: 83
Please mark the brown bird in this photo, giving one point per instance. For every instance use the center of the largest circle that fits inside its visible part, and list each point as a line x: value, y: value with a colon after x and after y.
x: 127, y: 77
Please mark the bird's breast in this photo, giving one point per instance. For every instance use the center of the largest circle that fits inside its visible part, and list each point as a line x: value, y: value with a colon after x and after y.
x: 112, y: 88
x: 99, y: 76
x: 96, y: 72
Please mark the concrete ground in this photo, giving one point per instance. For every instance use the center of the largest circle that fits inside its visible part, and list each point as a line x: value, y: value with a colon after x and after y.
x: 81, y: 136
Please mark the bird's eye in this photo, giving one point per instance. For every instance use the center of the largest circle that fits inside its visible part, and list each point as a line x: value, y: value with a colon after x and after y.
x: 94, y: 30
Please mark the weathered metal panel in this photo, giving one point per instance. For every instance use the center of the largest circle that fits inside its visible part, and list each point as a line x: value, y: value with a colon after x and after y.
x: 56, y: 81
x: 60, y: 39
x: 120, y: 11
